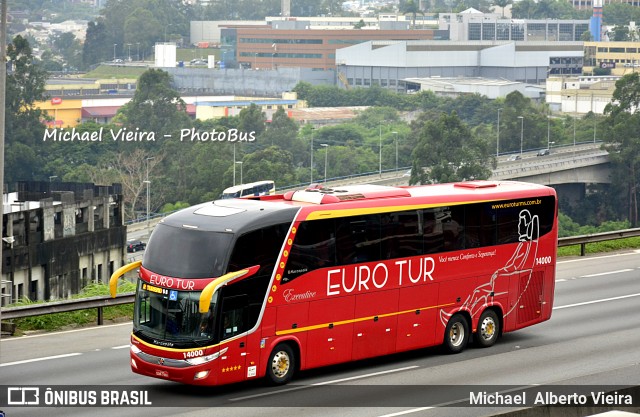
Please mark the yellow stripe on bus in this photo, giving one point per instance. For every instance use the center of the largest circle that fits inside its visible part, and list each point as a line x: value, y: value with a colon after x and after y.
x: 357, y: 320
x: 330, y: 214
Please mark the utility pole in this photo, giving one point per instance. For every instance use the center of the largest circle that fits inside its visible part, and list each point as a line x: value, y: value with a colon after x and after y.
x: 3, y: 95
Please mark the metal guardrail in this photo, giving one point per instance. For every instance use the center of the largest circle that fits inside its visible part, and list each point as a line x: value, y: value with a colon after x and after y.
x: 100, y: 302
x: 582, y: 240
x: 62, y: 306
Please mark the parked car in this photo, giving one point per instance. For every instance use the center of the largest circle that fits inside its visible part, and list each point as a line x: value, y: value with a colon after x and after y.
x: 543, y: 152
x: 135, y: 245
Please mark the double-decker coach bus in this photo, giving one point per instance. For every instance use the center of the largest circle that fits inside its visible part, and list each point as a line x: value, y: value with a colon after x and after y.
x: 252, y: 189
x: 238, y: 289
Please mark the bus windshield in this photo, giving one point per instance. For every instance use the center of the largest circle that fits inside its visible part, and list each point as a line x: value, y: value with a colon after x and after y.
x: 186, y: 253
x: 173, y: 316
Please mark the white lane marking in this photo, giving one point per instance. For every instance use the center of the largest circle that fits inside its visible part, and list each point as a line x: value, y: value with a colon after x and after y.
x: 84, y: 329
x: 597, y: 301
x: 46, y: 358
x: 402, y: 413
x: 121, y: 347
x: 605, y: 273
x: 335, y: 381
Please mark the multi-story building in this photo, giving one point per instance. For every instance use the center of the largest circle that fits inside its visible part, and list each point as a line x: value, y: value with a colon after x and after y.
x: 580, y: 95
x: 620, y: 57
x: 59, y: 237
x: 473, y: 25
x: 293, y: 44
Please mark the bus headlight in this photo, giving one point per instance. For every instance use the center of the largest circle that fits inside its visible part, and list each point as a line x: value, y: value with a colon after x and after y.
x: 202, y: 359
x: 205, y: 359
x: 135, y: 349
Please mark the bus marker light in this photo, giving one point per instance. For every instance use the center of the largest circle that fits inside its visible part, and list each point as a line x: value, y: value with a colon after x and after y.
x: 133, y: 363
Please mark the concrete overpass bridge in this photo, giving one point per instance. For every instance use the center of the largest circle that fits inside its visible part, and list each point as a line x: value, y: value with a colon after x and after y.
x: 568, y: 169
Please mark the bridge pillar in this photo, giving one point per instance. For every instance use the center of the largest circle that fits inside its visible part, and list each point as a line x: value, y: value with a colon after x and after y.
x: 572, y: 193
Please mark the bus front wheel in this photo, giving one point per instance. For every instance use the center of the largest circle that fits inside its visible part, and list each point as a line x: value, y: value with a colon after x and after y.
x: 488, y: 329
x: 456, y: 335
x: 281, y: 364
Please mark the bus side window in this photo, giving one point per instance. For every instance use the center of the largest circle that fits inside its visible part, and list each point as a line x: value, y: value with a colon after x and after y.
x: 234, y: 320
x: 313, y: 248
x: 358, y: 239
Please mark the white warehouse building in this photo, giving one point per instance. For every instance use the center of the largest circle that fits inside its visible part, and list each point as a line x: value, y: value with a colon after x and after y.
x: 390, y: 64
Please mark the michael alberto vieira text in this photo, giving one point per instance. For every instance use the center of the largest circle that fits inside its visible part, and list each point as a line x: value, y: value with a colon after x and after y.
x: 549, y: 398
x: 137, y: 135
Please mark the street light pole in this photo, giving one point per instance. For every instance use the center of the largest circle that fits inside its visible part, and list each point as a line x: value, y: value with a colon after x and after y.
x: 380, y: 153
x: 498, y: 135
x: 240, y: 162
x: 548, y: 132
x: 396, y: 138
x: 148, y: 191
x: 311, y: 174
x: 234, y: 164
x: 595, y: 123
x: 326, y: 153
x: 521, y: 133
x: 114, y: 51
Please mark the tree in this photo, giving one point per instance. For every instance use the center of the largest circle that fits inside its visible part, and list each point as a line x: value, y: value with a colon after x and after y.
x: 252, y: 119
x: 97, y: 46
x: 412, y: 7
x: 155, y: 106
x: 283, y: 133
x: 434, y: 160
x: 502, y: 4
x: 132, y: 169
x: 622, y: 140
x: 271, y: 163
x: 23, y: 126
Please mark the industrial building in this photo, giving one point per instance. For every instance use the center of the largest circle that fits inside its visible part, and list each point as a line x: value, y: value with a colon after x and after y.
x: 389, y: 64
x: 58, y: 237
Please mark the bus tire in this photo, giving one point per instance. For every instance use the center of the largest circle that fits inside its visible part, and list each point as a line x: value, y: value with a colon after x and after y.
x: 281, y: 364
x: 488, y: 329
x: 456, y: 335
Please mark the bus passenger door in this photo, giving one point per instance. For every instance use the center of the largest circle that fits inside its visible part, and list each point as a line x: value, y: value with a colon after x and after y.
x: 232, y: 325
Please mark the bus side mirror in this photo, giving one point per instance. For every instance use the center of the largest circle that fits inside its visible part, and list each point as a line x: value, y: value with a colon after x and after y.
x: 207, y: 292
x: 113, y: 281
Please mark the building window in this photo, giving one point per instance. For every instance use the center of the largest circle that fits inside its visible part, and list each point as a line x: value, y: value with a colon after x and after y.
x: 475, y: 31
x: 489, y: 31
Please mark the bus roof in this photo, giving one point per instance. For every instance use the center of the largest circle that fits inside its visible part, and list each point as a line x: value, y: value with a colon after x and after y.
x: 442, y: 192
x: 241, y: 215
x: 232, y: 216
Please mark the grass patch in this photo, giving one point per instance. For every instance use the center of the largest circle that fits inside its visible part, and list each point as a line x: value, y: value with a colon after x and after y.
x: 115, y: 71
x: 77, y: 318
x: 601, y: 247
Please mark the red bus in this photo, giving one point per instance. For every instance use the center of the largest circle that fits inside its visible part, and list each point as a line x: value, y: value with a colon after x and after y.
x: 238, y: 289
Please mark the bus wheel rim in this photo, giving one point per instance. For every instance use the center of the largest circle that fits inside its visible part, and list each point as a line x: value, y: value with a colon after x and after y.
x: 456, y: 334
x: 280, y: 364
x: 487, y: 328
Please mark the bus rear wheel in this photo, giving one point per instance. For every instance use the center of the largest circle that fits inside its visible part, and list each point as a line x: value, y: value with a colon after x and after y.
x: 488, y: 329
x: 281, y: 365
x: 456, y: 335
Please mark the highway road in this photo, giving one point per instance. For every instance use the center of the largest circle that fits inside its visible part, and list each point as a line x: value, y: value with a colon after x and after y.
x: 591, y: 339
